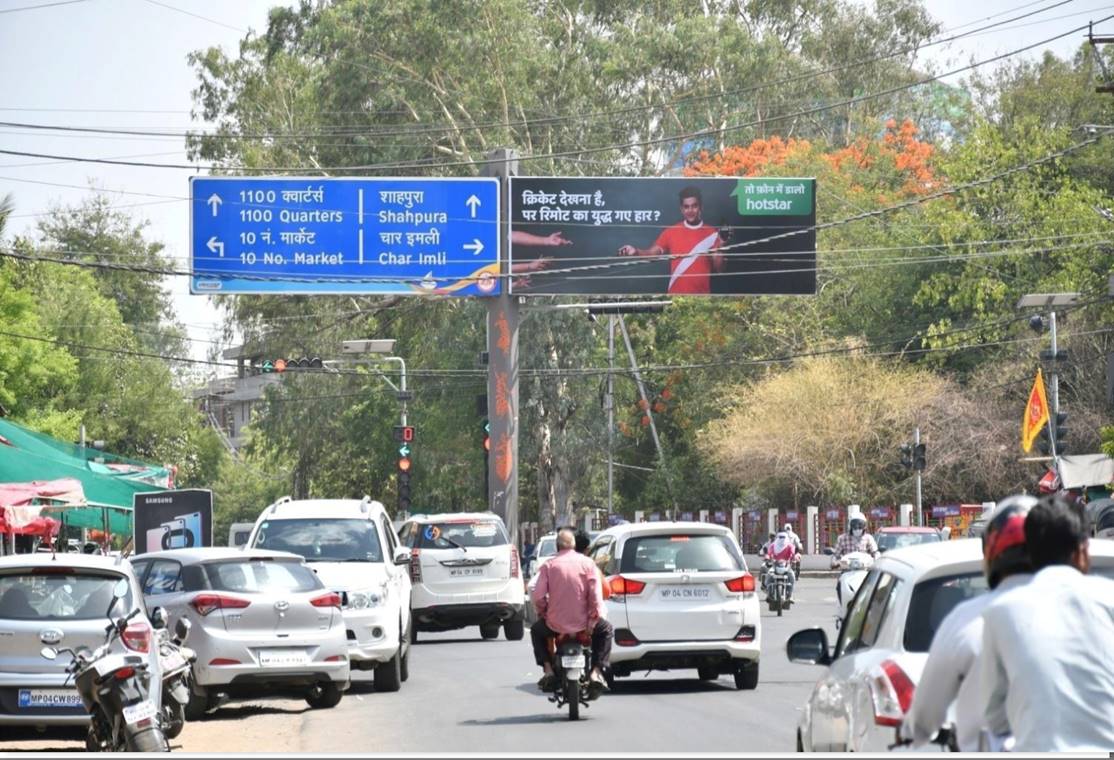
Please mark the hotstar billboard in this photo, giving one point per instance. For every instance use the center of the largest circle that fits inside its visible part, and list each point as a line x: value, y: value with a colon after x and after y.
x: 650, y: 236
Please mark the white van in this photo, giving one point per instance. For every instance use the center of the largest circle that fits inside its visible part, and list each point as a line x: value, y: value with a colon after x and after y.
x: 351, y: 546
x: 239, y: 534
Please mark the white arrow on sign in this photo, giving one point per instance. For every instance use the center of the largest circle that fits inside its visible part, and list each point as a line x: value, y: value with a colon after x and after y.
x: 214, y: 202
x: 475, y: 247
x: 473, y: 202
x: 215, y: 246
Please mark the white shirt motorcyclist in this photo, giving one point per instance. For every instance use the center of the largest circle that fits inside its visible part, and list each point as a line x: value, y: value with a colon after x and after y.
x: 951, y: 673
x: 1045, y: 673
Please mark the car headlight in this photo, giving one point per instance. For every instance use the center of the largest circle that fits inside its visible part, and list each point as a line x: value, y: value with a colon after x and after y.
x: 361, y: 600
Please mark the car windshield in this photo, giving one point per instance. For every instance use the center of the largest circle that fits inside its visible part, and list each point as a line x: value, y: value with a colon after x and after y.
x: 887, y: 541
x: 250, y: 576
x: 58, y: 594
x: 322, y: 540
x: 466, y: 533
x: 547, y: 547
x: 931, y: 602
x: 677, y: 552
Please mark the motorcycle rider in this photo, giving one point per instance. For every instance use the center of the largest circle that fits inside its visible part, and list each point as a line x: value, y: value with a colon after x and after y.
x: 856, y: 539
x: 788, y: 529
x: 569, y: 599
x: 951, y: 671
x: 782, y: 549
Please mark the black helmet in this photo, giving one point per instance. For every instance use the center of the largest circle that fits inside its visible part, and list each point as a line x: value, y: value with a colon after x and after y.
x: 856, y: 522
x: 1003, y: 538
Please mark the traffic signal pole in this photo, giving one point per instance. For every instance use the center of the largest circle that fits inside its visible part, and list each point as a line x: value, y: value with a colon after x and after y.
x: 1054, y: 386
x: 610, y: 411
x: 917, y: 443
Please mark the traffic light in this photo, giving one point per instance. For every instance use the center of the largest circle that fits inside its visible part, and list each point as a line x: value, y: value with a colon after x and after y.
x: 1061, y: 434
x: 268, y: 366
x: 404, y: 433
x: 487, y: 436
x: 404, y: 477
x: 918, y: 457
x: 907, y: 456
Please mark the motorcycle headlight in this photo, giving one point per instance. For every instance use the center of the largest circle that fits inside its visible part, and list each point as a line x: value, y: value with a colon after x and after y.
x: 361, y: 600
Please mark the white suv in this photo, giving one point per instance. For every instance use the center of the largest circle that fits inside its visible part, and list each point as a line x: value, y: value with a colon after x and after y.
x: 465, y: 571
x: 350, y: 544
x: 680, y: 597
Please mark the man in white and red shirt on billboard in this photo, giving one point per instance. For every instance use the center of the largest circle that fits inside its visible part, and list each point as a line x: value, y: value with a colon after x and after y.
x: 692, y: 246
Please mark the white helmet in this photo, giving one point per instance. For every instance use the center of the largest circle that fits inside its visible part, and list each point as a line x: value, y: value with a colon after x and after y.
x: 788, y: 528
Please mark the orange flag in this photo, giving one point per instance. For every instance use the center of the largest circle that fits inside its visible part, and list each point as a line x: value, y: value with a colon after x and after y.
x: 1036, y: 413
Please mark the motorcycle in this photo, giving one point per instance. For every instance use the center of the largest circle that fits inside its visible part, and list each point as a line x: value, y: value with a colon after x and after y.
x: 572, y: 664
x: 175, y: 661
x: 853, y: 568
x: 115, y: 689
x: 777, y: 587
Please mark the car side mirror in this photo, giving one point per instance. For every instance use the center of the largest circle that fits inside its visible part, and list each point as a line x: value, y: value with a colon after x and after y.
x: 809, y: 646
x: 402, y: 557
x: 158, y: 618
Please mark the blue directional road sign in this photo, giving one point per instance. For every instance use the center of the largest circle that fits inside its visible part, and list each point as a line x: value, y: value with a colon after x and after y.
x: 420, y: 236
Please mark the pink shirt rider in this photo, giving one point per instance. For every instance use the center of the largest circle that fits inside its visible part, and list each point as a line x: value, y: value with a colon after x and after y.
x: 568, y: 594
x: 787, y: 552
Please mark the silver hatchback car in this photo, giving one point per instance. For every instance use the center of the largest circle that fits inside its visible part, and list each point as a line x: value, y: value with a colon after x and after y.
x: 263, y: 623
x: 61, y: 601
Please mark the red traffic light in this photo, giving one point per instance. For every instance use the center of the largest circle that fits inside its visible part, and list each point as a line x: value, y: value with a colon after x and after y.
x: 404, y: 464
x: 487, y: 443
x: 280, y: 365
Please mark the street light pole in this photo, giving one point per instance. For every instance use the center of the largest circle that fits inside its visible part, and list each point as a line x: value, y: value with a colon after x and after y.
x: 1055, y: 386
x: 610, y: 411
x: 401, y: 383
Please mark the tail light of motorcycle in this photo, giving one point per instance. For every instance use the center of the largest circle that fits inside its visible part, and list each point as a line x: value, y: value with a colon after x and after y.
x: 415, y: 566
x: 331, y: 599
x: 742, y: 584
x: 124, y: 674
x: 137, y: 637
x: 206, y: 603
x: 620, y: 586
x: 516, y: 565
x: 891, y: 691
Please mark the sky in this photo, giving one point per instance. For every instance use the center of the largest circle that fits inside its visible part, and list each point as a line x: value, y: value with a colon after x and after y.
x: 123, y: 64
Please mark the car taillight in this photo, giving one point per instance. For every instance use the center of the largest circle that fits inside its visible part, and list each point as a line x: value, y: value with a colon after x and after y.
x: 891, y: 691
x: 124, y: 674
x: 223, y: 661
x: 621, y: 586
x: 336, y: 658
x: 745, y: 634
x: 206, y: 603
x: 331, y: 599
x: 137, y: 637
x: 516, y: 566
x: 741, y: 584
x: 415, y: 566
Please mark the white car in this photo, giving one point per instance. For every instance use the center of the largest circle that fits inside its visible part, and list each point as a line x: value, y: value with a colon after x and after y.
x: 544, y: 550
x: 350, y: 544
x: 680, y: 597
x: 465, y: 571
x: 61, y: 602
x: 860, y: 702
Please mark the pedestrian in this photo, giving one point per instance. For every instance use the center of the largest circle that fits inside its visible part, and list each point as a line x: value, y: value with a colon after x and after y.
x: 1046, y: 672
x: 950, y: 674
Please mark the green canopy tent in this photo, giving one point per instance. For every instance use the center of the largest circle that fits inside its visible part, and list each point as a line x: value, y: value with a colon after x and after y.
x: 109, y: 481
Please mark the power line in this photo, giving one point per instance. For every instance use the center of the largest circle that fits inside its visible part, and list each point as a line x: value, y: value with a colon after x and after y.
x: 196, y: 15
x: 43, y: 5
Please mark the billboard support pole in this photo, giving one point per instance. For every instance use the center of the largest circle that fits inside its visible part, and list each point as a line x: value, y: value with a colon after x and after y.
x: 502, y: 368
x: 610, y: 411
x: 650, y: 414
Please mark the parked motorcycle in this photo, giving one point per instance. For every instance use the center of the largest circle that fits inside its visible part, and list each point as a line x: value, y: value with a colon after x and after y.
x: 175, y: 661
x: 572, y: 664
x: 853, y: 569
x: 777, y: 586
x: 115, y: 689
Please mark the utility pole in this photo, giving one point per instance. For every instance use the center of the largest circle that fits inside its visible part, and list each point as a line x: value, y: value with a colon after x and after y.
x: 649, y: 414
x: 916, y: 447
x: 610, y: 411
x: 1054, y: 386
x: 502, y: 368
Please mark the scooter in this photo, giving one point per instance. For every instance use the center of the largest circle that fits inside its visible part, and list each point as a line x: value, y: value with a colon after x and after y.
x: 572, y: 664
x: 175, y: 661
x: 777, y: 587
x: 115, y: 689
x: 853, y: 566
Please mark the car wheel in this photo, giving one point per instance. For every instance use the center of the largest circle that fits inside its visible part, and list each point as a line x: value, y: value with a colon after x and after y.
x: 324, y: 695
x: 746, y: 677
x: 197, y: 706
x: 514, y: 629
x: 706, y: 673
x: 388, y: 675
x: 489, y: 631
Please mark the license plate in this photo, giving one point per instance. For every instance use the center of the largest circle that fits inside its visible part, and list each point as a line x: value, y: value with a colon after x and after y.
x: 572, y: 661
x: 684, y: 593
x: 464, y: 572
x: 282, y: 657
x: 36, y: 698
x: 139, y: 711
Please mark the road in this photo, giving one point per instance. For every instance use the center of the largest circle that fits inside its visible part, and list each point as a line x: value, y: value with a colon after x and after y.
x: 467, y: 694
